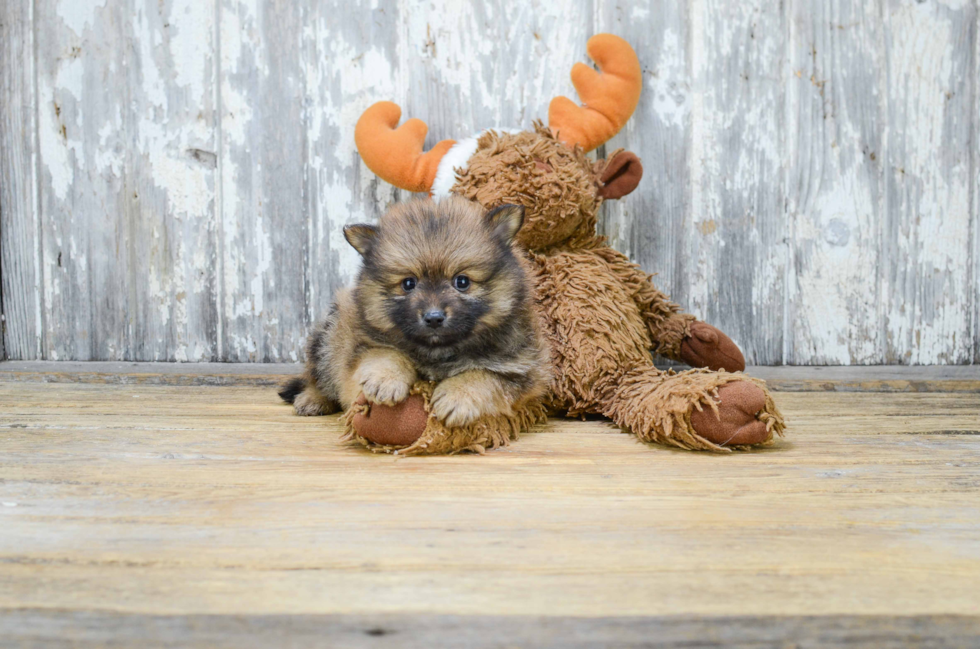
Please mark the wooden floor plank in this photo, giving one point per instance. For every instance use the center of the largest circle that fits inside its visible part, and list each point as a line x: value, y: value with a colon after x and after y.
x: 155, y: 501
x: 38, y: 627
x: 883, y: 378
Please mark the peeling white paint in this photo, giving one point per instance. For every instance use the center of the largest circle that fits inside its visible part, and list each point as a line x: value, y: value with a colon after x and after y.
x: 69, y: 79
x: 342, y: 94
x: 191, y: 45
x: 790, y: 228
x: 670, y: 99
x: 54, y: 148
x: 263, y: 262
x: 928, y: 188
x: 79, y: 14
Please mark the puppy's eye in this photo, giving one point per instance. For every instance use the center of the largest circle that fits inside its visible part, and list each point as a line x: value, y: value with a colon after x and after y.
x: 461, y: 282
x: 408, y: 284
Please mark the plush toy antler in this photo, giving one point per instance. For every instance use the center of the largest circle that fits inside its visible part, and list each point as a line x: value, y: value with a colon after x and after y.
x: 610, y: 96
x: 395, y: 154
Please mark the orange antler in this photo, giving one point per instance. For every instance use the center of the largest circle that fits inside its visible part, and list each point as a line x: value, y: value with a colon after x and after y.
x: 610, y: 97
x: 395, y: 154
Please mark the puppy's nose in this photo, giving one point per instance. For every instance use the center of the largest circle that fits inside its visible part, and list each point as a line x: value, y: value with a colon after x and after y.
x: 434, y: 318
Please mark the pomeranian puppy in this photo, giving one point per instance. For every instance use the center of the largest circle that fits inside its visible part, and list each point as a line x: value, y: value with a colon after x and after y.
x: 443, y: 295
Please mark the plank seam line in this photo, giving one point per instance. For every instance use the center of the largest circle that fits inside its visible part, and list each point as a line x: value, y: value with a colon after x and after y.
x: 219, y: 214
x: 36, y: 194
x: 973, y: 251
x: 310, y: 185
x: 884, y: 219
x: 789, y: 219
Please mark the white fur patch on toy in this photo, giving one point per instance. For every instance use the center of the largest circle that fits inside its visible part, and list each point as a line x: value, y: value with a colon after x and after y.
x: 458, y: 157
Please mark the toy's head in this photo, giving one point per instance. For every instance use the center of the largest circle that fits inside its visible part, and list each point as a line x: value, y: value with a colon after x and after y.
x: 544, y: 169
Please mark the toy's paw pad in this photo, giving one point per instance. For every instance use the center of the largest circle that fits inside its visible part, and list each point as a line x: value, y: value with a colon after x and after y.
x: 399, y: 425
x: 736, y: 421
x: 708, y: 347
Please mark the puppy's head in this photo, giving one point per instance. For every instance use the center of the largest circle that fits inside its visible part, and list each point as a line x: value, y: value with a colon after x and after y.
x: 439, y: 274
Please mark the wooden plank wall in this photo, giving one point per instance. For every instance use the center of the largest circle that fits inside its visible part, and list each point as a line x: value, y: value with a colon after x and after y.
x: 176, y: 173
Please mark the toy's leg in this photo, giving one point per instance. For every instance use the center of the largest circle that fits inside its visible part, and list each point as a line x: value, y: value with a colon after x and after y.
x: 697, y: 409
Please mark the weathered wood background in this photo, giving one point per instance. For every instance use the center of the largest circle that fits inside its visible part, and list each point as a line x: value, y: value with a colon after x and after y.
x: 176, y: 173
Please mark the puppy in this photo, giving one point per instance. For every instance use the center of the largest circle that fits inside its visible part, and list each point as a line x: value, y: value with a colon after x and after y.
x: 443, y: 295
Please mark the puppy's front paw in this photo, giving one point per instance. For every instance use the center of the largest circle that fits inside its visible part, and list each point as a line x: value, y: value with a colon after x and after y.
x: 384, y: 389
x: 463, y: 399
x: 384, y: 377
x: 453, y: 407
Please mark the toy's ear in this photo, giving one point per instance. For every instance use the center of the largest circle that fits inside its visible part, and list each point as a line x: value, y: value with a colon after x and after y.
x: 361, y: 236
x: 621, y: 175
x: 506, y: 221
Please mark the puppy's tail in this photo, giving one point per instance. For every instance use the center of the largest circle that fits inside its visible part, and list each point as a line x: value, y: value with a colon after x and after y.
x: 292, y: 388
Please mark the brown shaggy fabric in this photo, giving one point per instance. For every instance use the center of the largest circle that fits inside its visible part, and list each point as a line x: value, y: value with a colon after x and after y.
x: 558, y: 188
x: 601, y: 352
x: 521, y: 169
x: 665, y: 322
x: 602, y: 314
x: 437, y: 439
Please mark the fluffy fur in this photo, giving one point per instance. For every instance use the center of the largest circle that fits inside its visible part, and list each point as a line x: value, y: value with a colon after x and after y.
x: 558, y: 188
x: 443, y: 297
x: 603, y: 316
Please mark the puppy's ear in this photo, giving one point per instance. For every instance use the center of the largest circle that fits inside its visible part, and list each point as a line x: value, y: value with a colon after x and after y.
x: 506, y: 221
x: 361, y: 236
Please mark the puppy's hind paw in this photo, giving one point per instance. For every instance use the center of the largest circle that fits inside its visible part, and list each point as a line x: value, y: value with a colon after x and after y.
x: 310, y: 404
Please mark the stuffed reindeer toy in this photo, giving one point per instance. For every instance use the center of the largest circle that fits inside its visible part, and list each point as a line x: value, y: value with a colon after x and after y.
x: 600, y: 313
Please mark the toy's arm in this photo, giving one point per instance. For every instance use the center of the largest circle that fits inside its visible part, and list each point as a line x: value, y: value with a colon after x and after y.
x: 675, y: 334
x: 668, y: 325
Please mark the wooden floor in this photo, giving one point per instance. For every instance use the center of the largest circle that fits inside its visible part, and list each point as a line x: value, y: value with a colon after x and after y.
x: 182, y: 514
